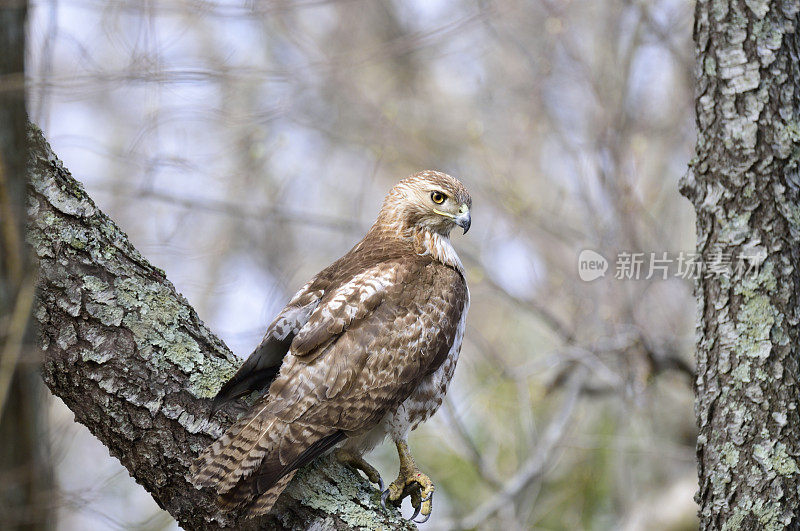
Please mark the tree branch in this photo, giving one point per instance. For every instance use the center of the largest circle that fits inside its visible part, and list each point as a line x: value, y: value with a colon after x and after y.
x: 539, y: 459
x: 132, y: 360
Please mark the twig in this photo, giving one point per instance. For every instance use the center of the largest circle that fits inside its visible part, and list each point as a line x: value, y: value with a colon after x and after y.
x: 11, y: 244
x: 487, y: 473
x: 15, y: 334
x: 535, y: 465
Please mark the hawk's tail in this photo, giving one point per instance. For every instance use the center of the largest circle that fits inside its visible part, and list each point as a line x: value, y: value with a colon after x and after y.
x: 248, y: 493
x: 237, y: 464
x: 254, y: 460
x: 239, y: 452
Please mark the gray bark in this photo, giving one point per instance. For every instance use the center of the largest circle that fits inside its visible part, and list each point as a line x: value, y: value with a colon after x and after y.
x: 133, y: 361
x: 745, y: 187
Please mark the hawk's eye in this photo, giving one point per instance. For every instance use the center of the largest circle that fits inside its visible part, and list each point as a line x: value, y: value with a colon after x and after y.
x: 438, y: 197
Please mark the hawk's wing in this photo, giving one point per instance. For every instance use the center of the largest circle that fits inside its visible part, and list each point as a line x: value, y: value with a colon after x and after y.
x: 361, y: 353
x: 261, y: 367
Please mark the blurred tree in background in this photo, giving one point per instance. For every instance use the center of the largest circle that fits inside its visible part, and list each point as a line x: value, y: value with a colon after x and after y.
x: 244, y: 146
x: 26, y: 476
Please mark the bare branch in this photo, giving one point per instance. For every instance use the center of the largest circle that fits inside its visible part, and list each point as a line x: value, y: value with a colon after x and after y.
x: 537, y: 463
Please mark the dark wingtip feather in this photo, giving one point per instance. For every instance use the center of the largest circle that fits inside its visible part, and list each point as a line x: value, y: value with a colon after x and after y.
x: 242, y: 384
x: 255, y: 374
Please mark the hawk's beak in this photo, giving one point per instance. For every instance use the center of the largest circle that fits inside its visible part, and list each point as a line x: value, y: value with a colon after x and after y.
x: 463, y: 220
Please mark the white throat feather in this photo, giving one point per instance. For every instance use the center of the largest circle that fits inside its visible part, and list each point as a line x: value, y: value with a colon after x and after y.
x: 439, y: 248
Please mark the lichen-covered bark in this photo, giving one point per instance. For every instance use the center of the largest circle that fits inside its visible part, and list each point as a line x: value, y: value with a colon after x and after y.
x: 745, y: 187
x: 132, y: 360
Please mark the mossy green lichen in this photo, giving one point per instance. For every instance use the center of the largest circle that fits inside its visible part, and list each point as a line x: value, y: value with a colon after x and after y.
x: 327, y: 496
x: 734, y: 523
x: 775, y: 458
x: 767, y: 514
x: 66, y: 337
x: 730, y: 455
x: 736, y: 229
x: 787, y: 139
x: 741, y: 374
x: 756, y: 315
x: 710, y: 66
x: 154, y: 317
x: 206, y: 382
x: 719, y: 8
x: 183, y: 351
x: 107, y: 314
x: 94, y: 284
x: 95, y: 355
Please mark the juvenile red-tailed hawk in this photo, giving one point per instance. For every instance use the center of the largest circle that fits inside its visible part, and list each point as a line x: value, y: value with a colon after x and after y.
x: 365, y: 349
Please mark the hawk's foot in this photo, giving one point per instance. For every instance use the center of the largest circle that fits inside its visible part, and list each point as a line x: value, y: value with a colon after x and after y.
x: 350, y: 458
x: 410, y: 482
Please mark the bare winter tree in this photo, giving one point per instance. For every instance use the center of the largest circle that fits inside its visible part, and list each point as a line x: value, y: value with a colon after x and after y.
x: 745, y: 187
x: 25, y: 471
x: 133, y: 361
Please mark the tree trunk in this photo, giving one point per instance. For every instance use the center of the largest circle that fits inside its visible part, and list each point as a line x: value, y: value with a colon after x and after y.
x: 25, y: 466
x: 745, y: 187
x: 132, y: 360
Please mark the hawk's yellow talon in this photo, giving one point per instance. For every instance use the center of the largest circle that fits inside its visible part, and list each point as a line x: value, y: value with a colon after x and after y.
x: 356, y: 461
x: 410, y: 482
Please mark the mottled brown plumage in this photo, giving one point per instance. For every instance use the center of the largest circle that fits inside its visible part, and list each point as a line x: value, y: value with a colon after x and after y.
x: 365, y: 349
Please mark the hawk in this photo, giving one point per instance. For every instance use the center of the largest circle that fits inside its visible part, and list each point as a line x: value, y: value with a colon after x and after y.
x: 365, y: 349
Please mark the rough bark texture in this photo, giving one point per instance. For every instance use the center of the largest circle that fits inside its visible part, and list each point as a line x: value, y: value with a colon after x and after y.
x: 745, y: 187
x: 135, y: 364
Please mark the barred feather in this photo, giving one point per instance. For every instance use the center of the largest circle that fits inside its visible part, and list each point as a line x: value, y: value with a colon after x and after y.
x: 237, y: 453
x: 264, y: 503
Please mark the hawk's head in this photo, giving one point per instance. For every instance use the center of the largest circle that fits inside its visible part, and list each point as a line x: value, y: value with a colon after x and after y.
x: 430, y: 201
